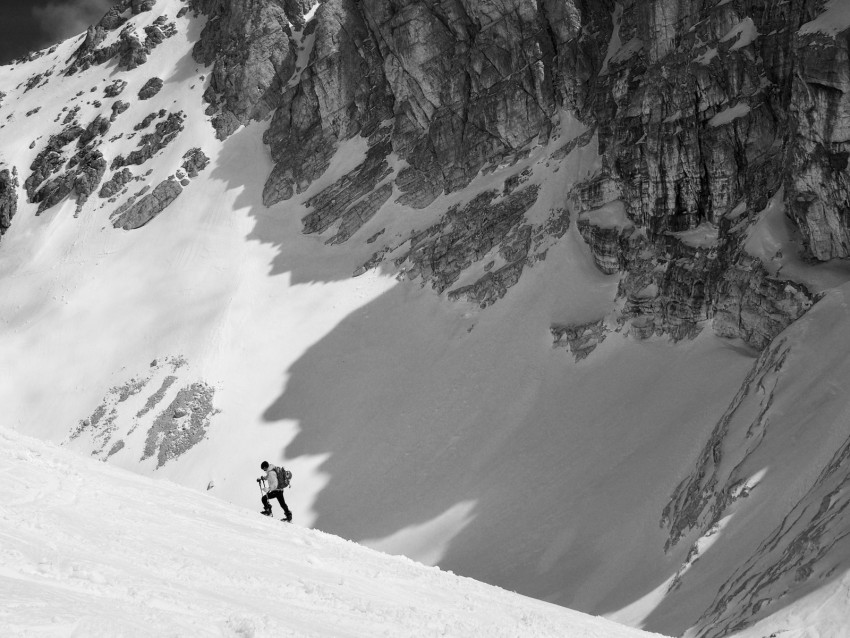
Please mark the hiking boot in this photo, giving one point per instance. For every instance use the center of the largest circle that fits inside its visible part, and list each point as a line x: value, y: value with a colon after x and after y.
x: 266, y: 512
x: 289, y: 517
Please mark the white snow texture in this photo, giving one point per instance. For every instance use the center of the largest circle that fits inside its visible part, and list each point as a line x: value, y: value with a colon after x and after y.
x: 92, y: 550
x: 414, y: 425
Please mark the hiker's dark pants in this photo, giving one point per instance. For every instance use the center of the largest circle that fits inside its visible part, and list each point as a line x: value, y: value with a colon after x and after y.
x: 278, y: 494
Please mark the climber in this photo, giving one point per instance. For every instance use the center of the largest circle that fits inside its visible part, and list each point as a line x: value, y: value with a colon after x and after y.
x: 272, y: 485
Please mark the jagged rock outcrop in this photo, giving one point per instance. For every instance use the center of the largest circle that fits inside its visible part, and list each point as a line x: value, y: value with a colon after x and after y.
x: 788, y: 408
x: 465, y: 234
x: 693, y: 121
x: 581, y: 339
x: 86, y: 169
x: 607, y: 231
x: 755, y: 306
x: 194, y: 161
x: 353, y: 199
x: 146, y: 122
x: 818, y: 182
x: 8, y: 198
x: 138, y: 213
x: 115, y: 89
x: 50, y: 159
x: 116, y: 183
x: 118, y: 108
x: 182, y: 425
x: 151, y: 143
x: 173, y: 428
x: 150, y: 88
x: 340, y: 95
x: 249, y: 43
x: 98, y: 127
x: 485, y: 74
x: 477, y: 72
x: 696, y: 113
x: 80, y: 174
x: 130, y: 49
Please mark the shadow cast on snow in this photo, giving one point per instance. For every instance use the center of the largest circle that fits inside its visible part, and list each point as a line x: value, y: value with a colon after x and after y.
x: 421, y: 406
x: 244, y: 164
x: 417, y: 416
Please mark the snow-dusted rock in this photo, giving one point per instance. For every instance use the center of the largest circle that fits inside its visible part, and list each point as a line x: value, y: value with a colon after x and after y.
x: 8, y: 198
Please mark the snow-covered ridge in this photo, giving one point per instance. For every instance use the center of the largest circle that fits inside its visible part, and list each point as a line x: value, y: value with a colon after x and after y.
x: 92, y: 550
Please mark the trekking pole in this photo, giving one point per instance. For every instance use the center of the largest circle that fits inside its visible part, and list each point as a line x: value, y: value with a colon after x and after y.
x: 261, y: 483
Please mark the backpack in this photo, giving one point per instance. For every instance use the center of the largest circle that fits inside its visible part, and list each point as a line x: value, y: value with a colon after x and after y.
x: 283, y: 477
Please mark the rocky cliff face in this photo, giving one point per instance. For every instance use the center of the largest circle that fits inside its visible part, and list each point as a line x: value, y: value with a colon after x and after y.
x: 130, y: 48
x: 817, y: 177
x: 8, y: 198
x: 251, y: 47
x: 702, y: 114
x: 698, y: 126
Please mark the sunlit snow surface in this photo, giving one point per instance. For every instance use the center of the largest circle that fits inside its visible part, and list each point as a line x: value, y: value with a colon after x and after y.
x: 452, y: 435
x: 90, y: 550
x: 834, y: 19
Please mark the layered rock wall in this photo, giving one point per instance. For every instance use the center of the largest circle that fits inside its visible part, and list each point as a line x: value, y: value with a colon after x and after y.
x: 818, y: 179
x: 702, y: 113
x: 8, y: 198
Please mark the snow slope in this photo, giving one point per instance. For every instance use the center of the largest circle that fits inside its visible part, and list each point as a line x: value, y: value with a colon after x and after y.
x: 90, y: 550
x: 455, y: 436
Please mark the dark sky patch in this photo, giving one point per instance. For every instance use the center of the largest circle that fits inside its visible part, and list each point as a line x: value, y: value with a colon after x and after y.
x: 28, y: 25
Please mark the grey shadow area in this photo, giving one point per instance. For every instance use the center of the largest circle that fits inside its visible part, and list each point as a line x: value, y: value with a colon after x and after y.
x: 807, y: 551
x: 244, y: 164
x: 417, y: 415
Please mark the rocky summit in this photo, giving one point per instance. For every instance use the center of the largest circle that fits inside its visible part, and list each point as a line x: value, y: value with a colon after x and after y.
x: 582, y: 264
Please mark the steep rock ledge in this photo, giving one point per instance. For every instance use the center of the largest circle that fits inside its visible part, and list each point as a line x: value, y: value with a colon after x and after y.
x: 692, y: 111
x: 700, y: 112
x: 130, y: 50
x: 341, y: 94
x: 250, y: 45
x: 464, y: 84
x: 818, y: 176
x: 78, y: 172
x: 465, y: 234
x: 8, y: 198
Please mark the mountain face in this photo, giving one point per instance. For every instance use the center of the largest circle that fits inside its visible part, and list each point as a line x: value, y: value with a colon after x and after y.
x: 577, y: 265
x: 701, y: 115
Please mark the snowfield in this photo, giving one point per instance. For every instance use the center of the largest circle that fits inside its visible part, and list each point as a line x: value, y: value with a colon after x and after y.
x: 91, y: 550
x: 450, y: 435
